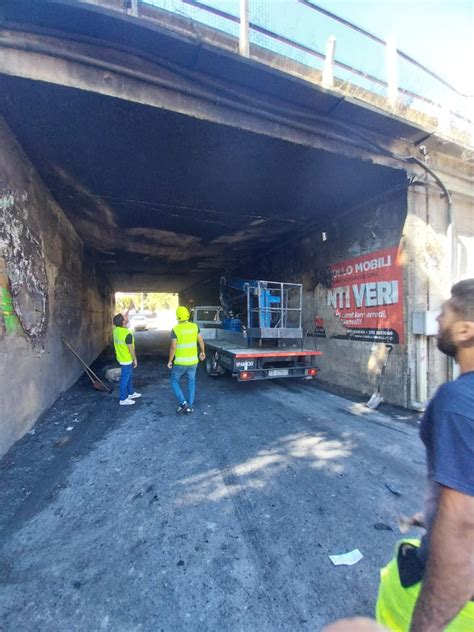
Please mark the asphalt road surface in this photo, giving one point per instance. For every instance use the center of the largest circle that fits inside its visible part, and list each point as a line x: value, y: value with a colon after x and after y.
x: 134, y: 518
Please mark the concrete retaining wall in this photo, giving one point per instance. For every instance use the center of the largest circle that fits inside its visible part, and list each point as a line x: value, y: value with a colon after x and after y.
x: 370, y: 229
x: 49, y: 287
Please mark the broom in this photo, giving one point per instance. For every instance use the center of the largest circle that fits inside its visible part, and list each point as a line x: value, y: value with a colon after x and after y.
x: 96, y: 381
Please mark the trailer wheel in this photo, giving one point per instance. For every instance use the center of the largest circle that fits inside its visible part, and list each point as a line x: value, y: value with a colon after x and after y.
x: 211, y: 363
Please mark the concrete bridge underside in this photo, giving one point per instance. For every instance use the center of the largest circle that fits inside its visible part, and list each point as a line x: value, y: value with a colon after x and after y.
x: 163, y: 200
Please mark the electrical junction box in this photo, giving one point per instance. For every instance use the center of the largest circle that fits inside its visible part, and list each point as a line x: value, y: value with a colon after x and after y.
x: 425, y: 323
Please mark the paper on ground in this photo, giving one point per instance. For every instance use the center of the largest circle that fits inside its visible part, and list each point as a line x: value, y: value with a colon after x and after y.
x: 347, y: 558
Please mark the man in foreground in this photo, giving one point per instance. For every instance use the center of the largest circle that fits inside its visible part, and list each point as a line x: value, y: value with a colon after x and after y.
x: 124, y: 345
x: 430, y: 586
x: 185, y: 337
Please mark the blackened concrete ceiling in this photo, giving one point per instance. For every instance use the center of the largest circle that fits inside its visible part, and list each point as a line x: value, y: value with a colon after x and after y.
x: 154, y: 192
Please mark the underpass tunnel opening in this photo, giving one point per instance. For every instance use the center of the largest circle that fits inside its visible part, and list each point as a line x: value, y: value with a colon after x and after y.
x: 119, y: 197
x: 147, y: 311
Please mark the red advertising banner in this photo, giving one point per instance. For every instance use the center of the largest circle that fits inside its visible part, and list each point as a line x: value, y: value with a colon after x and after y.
x: 367, y: 295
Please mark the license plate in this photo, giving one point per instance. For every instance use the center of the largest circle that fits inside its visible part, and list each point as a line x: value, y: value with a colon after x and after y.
x: 278, y: 372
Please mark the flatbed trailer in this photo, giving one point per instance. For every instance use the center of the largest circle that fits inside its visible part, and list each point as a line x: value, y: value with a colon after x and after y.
x: 226, y: 353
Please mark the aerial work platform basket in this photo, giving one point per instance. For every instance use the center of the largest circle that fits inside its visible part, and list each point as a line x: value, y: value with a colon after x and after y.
x: 273, y: 310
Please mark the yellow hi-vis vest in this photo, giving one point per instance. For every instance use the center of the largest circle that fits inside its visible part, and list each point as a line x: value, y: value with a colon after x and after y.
x: 186, y: 344
x: 395, y: 604
x: 122, y: 352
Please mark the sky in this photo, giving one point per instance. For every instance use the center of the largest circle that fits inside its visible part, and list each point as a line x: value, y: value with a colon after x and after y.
x: 437, y: 33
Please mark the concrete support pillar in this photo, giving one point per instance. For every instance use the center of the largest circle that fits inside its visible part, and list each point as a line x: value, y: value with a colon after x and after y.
x: 244, y: 41
x: 443, y: 115
x: 392, y: 71
x: 133, y: 10
x: 427, y: 283
x: 328, y: 72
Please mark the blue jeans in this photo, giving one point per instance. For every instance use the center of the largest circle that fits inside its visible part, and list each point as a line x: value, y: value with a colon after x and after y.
x: 177, y: 373
x: 126, y: 381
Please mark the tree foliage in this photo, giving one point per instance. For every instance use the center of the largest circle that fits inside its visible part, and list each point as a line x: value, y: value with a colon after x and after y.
x: 151, y: 301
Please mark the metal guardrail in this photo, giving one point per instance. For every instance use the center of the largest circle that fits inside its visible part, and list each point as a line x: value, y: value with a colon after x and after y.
x: 347, y: 59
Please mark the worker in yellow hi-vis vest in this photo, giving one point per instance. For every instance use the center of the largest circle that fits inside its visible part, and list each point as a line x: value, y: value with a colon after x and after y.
x: 183, y: 358
x: 124, y: 345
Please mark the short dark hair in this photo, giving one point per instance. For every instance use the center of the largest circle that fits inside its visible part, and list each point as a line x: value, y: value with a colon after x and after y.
x: 118, y: 320
x: 462, y: 299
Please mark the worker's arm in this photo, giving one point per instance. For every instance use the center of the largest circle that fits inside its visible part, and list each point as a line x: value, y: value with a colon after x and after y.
x: 173, y: 344
x: 131, y: 348
x: 449, y: 579
x: 202, y: 355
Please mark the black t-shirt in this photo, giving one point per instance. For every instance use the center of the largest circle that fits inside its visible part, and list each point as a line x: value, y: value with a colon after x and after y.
x: 129, y: 339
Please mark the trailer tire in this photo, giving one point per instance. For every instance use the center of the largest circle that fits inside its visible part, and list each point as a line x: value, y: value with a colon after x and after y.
x: 211, y: 362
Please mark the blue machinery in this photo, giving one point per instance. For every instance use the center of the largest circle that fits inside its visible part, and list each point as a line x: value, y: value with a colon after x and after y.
x: 266, y: 310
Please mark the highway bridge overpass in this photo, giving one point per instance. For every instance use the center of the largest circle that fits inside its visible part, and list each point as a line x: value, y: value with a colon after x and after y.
x: 141, y: 152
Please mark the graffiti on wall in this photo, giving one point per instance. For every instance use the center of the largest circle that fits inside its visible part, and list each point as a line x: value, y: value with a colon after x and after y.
x: 10, y: 319
x: 24, y: 277
x: 367, y: 296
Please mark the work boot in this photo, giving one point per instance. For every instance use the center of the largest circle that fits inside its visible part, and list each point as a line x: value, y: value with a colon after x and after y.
x: 126, y: 402
x: 182, y: 408
x: 189, y: 410
x: 134, y: 395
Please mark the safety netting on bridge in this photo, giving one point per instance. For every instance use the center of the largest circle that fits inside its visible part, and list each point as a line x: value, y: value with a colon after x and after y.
x: 293, y: 35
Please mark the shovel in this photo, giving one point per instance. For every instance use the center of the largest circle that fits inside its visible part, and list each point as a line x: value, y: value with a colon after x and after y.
x: 96, y: 381
x: 376, y: 397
